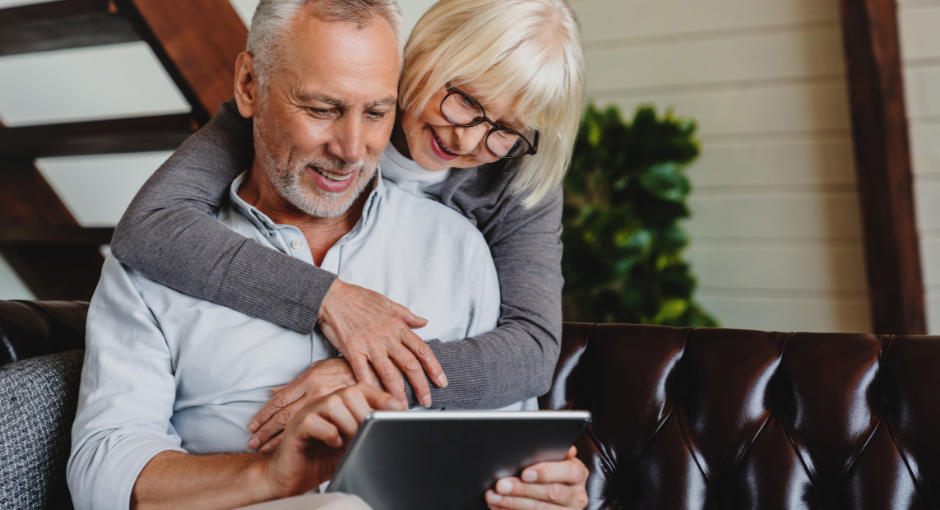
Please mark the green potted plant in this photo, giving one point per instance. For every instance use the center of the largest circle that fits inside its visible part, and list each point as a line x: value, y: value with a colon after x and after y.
x: 625, y: 195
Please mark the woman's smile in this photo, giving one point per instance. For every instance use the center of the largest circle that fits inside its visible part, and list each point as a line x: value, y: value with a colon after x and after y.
x: 441, y: 149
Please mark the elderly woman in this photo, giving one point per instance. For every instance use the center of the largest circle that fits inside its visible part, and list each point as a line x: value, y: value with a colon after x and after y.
x: 490, y: 100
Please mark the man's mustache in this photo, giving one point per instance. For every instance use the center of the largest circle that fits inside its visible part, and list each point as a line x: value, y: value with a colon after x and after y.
x: 339, y: 166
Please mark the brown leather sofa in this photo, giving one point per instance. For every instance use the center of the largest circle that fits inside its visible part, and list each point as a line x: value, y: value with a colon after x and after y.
x: 704, y: 418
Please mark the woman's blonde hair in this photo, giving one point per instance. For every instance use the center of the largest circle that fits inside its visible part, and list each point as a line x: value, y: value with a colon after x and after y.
x: 527, y: 52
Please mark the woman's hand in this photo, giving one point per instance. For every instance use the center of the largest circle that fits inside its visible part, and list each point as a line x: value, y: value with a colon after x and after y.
x: 373, y: 331
x: 547, y: 485
x: 323, y: 378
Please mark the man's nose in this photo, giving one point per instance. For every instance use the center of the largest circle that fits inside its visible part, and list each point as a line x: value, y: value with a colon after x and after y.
x: 348, y: 141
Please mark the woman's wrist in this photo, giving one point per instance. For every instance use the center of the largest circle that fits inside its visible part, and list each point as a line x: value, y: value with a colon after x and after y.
x: 333, y: 295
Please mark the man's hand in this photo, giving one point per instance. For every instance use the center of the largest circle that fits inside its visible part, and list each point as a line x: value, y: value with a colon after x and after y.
x: 316, y: 439
x: 323, y: 378
x: 547, y: 485
x: 373, y: 331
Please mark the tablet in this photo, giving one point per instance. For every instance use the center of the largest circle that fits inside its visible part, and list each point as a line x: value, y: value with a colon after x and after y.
x: 448, y: 459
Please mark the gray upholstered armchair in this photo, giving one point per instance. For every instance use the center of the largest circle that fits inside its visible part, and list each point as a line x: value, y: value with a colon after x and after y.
x: 40, y: 366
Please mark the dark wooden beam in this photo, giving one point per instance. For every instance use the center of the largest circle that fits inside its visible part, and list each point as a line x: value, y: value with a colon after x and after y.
x: 160, y: 133
x: 27, y: 201
x: 61, y: 25
x: 883, y: 163
x: 197, y: 41
x: 55, y: 235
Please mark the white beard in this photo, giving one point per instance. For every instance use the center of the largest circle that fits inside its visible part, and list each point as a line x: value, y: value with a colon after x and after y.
x: 320, y: 203
x: 312, y: 200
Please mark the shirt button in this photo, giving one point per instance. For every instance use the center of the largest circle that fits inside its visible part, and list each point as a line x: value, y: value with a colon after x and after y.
x: 296, y: 244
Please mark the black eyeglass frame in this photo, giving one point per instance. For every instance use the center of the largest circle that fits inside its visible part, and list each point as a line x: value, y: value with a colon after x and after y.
x: 533, y: 147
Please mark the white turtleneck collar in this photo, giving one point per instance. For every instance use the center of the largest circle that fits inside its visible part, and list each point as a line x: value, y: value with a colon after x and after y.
x: 409, y: 176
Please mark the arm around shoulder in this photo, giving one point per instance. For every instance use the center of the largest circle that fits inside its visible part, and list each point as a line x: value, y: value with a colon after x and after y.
x: 515, y: 361
x: 169, y: 233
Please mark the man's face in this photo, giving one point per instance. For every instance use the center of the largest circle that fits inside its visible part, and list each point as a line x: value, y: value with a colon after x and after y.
x: 326, y: 114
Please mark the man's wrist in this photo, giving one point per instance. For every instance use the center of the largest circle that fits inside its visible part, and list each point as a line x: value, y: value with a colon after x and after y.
x: 264, y: 488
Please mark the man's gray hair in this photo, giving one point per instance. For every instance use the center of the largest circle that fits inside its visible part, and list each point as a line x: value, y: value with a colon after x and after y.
x: 273, y: 19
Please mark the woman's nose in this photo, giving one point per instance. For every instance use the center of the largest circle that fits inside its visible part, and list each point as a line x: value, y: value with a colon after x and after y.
x: 472, y: 139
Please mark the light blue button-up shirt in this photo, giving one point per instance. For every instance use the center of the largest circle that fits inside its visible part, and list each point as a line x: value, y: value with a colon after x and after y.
x: 166, y: 371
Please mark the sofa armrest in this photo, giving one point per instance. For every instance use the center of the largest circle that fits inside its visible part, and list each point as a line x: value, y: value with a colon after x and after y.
x: 38, y: 399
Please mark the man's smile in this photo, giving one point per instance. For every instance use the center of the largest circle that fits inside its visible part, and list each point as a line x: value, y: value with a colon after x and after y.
x: 331, y: 181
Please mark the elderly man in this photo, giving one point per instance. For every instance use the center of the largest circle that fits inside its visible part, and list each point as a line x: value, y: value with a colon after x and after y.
x: 170, y: 382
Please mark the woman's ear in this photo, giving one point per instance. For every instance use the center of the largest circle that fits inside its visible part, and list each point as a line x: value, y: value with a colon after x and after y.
x: 246, y: 85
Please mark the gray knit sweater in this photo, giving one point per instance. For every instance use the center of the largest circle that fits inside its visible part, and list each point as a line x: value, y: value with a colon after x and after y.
x: 169, y: 233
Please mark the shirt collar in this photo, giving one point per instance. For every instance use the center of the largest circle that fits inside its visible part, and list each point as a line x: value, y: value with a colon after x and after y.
x: 267, y: 226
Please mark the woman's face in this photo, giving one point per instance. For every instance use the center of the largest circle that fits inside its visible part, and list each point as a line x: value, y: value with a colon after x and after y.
x: 436, y: 144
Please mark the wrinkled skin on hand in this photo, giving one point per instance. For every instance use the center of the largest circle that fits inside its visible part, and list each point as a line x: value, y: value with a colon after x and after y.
x: 544, y: 486
x: 316, y: 439
x: 323, y: 378
x: 374, y: 334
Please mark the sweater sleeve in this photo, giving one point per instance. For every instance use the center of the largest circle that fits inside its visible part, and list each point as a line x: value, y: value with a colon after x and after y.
x: 515, y: 361
x: 169, y: 233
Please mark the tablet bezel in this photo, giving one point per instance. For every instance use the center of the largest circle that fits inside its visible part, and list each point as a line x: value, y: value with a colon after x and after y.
x: 377, y: 417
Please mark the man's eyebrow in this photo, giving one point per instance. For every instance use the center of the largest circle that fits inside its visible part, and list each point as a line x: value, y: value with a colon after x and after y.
x: 310, y: 97
x: 390, y: 100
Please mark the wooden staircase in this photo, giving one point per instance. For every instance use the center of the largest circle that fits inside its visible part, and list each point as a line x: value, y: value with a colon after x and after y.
x: 197, y: 41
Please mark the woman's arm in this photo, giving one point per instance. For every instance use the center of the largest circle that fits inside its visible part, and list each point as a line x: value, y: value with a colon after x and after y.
x: 169, y: 234
x: 514, y: 362
x: 517, y: 360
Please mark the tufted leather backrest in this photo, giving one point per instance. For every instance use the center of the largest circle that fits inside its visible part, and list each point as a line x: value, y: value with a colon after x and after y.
x: 708, y: 418
x: 35, y: 328
x: 719, y: 418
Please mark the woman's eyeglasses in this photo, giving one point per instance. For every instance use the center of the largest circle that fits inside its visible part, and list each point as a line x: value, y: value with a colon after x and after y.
x: 461, y: 109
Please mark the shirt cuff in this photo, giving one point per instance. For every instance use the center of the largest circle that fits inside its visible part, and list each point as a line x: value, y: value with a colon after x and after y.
x: 111, y: 469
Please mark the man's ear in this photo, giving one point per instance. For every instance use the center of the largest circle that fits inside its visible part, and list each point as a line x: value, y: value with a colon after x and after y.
x: 246, y: 85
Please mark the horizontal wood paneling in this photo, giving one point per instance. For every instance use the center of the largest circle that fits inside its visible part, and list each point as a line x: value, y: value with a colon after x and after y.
x: 930, y: 254
x: 820, y: 314
x: 775, y: 213
x: 746, y: 111
x: 920, y: 47
x: 805, y: 161
x: 755, y: 215
x: 925, y: 147
x: 604, y: 20
x: 801, y: 53
x: 922, y: 85
x: 927, y: 199
x: 818, y: 268
x: 920, y: 32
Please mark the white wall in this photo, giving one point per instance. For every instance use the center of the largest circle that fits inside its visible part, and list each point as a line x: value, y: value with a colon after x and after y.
x: 776, y: 236
x: 920, y: 47
x: 776, y: 240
